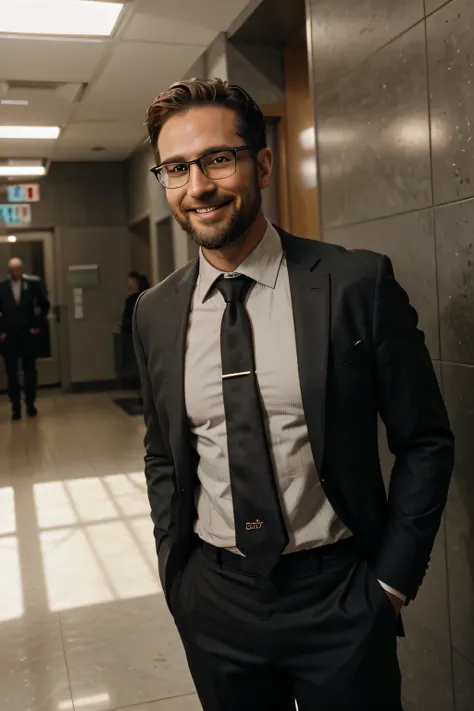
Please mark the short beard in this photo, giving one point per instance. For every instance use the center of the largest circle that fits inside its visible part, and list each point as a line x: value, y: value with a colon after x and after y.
x: 239, y: 225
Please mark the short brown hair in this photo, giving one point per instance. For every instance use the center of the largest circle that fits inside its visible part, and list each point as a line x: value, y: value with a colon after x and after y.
x: 184, y: 95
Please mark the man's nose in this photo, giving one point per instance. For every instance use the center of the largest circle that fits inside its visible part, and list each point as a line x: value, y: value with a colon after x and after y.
x: 199, y: 184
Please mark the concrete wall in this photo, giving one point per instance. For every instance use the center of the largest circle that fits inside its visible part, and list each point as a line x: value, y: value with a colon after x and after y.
x: 394, y: 105
x: 259, y: 70
x: 85, y: 203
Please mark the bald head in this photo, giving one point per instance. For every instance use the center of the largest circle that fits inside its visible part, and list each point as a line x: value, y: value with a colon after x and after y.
x: 16, y: 268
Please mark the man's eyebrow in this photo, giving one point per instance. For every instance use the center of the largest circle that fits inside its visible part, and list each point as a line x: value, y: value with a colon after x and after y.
x: 182, y: 159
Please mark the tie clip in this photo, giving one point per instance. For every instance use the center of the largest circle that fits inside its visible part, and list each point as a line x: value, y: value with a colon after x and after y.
x: 237, y: 375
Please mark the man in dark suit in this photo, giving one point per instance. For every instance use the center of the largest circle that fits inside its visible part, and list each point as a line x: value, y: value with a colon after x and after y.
x: 24, y: 307
x: 265, y: 364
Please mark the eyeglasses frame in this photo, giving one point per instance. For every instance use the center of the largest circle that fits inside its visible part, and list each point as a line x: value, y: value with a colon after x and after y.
x: 197, y: 161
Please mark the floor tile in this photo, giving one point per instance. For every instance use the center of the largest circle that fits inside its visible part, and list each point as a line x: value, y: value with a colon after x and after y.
x: 127, y: 649
x: 35, y: 685
x: 179, y: 703
x: 79, y: 571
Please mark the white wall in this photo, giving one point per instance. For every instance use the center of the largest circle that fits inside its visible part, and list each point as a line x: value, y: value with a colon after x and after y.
x: 198, y: 69
x: 216, y: 58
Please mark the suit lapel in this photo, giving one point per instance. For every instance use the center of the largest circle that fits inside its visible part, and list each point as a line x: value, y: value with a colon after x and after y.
x: 310, y: 293
x: 9, y: 293
x: 179, y: 306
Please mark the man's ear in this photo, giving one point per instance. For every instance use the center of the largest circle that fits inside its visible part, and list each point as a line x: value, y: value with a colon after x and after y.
x: 264, y: 167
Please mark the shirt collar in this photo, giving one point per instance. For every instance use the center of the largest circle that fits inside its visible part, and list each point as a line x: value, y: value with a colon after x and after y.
x: 262, y: 265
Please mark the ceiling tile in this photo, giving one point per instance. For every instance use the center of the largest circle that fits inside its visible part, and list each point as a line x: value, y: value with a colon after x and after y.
x: 113, y: 131
x: 116, y: 137
x: 187, y: 21
x: 135, y: 74
x: 50, y: 59
x: 73, y: 154
x: 37, y: 113
x: 26, y: 149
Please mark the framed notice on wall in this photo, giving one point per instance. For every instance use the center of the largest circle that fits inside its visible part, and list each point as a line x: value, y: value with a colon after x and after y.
x: 84, y: 276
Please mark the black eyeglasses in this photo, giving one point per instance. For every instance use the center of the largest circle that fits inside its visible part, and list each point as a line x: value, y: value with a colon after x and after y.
x: 216, y: 165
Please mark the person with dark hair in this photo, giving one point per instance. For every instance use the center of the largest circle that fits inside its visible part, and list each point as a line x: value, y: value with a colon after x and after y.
x: 136, y: 284
x: 24, y: 307
x: 264, y: 364
x: 143, y: 282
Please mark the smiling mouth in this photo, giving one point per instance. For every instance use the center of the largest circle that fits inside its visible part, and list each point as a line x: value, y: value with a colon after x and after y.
x: 210, y: 208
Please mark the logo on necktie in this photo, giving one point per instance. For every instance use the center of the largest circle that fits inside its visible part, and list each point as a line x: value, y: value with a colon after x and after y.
x: 254, y: 526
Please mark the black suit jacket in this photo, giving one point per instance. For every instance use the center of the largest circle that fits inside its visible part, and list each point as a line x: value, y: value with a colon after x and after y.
x: 360, y: 354
x: 31, y: 312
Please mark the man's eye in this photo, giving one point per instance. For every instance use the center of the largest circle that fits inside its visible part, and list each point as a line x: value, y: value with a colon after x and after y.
x: 221, y: 159
x: 176, y: 168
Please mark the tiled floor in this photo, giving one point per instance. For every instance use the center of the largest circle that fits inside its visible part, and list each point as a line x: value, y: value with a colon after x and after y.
x: 83, y: 622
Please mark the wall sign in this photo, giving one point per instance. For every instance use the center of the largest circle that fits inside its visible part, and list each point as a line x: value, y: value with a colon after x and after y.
x: 15, y: 215
x: 30, y: 192
x: 84, y: 276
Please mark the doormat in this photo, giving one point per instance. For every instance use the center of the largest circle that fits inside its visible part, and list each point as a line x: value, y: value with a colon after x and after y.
x: 130, y: 405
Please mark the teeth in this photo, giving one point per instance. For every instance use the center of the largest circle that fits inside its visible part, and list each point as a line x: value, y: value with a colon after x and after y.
x: 207, y: 209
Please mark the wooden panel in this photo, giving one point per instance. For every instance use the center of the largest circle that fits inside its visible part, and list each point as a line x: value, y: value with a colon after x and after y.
x: 300, y: 143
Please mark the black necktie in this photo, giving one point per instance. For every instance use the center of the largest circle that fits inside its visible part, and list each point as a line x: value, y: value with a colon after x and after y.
x: 259, y: 526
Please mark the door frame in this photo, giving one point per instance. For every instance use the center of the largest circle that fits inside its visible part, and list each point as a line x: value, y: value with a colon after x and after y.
x: 276, y: 113
x: 49, y: 369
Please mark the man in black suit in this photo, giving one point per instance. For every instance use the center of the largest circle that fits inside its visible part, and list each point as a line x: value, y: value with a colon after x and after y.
x: 24, y: 307
x: 264, y: 365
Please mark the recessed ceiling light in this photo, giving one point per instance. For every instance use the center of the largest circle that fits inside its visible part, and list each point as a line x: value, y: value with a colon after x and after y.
x: 18, y: 171
x: 11, y: 238
x: 14, y: 102
x: 41, y: 132
x: 59, y: 17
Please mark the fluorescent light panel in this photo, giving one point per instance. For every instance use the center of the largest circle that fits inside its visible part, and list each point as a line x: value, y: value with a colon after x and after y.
x: 42, y: 132
x: 18, y: 171
x: 14, y: 102
x: 58, y: 17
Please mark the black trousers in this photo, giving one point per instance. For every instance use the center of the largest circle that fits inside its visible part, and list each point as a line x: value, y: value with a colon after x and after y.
x: 321, y: 631
x: 20, y: 349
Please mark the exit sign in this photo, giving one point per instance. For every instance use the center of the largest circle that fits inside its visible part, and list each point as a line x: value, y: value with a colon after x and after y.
x: 15, y: 215
x: 24, y: 193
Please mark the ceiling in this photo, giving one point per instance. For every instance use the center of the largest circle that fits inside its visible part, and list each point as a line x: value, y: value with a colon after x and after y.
x: 273, y: 22
x: 98, y: 90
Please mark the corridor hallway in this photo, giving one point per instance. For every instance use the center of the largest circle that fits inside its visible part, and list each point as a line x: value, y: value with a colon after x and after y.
x: 83, y: 622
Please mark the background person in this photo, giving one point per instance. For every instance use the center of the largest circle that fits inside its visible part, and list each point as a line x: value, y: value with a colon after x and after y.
x: 24, y: 307
x: 136, y: 283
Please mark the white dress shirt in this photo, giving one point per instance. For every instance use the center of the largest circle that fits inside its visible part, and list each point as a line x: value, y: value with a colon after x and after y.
x: 16, y: 290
